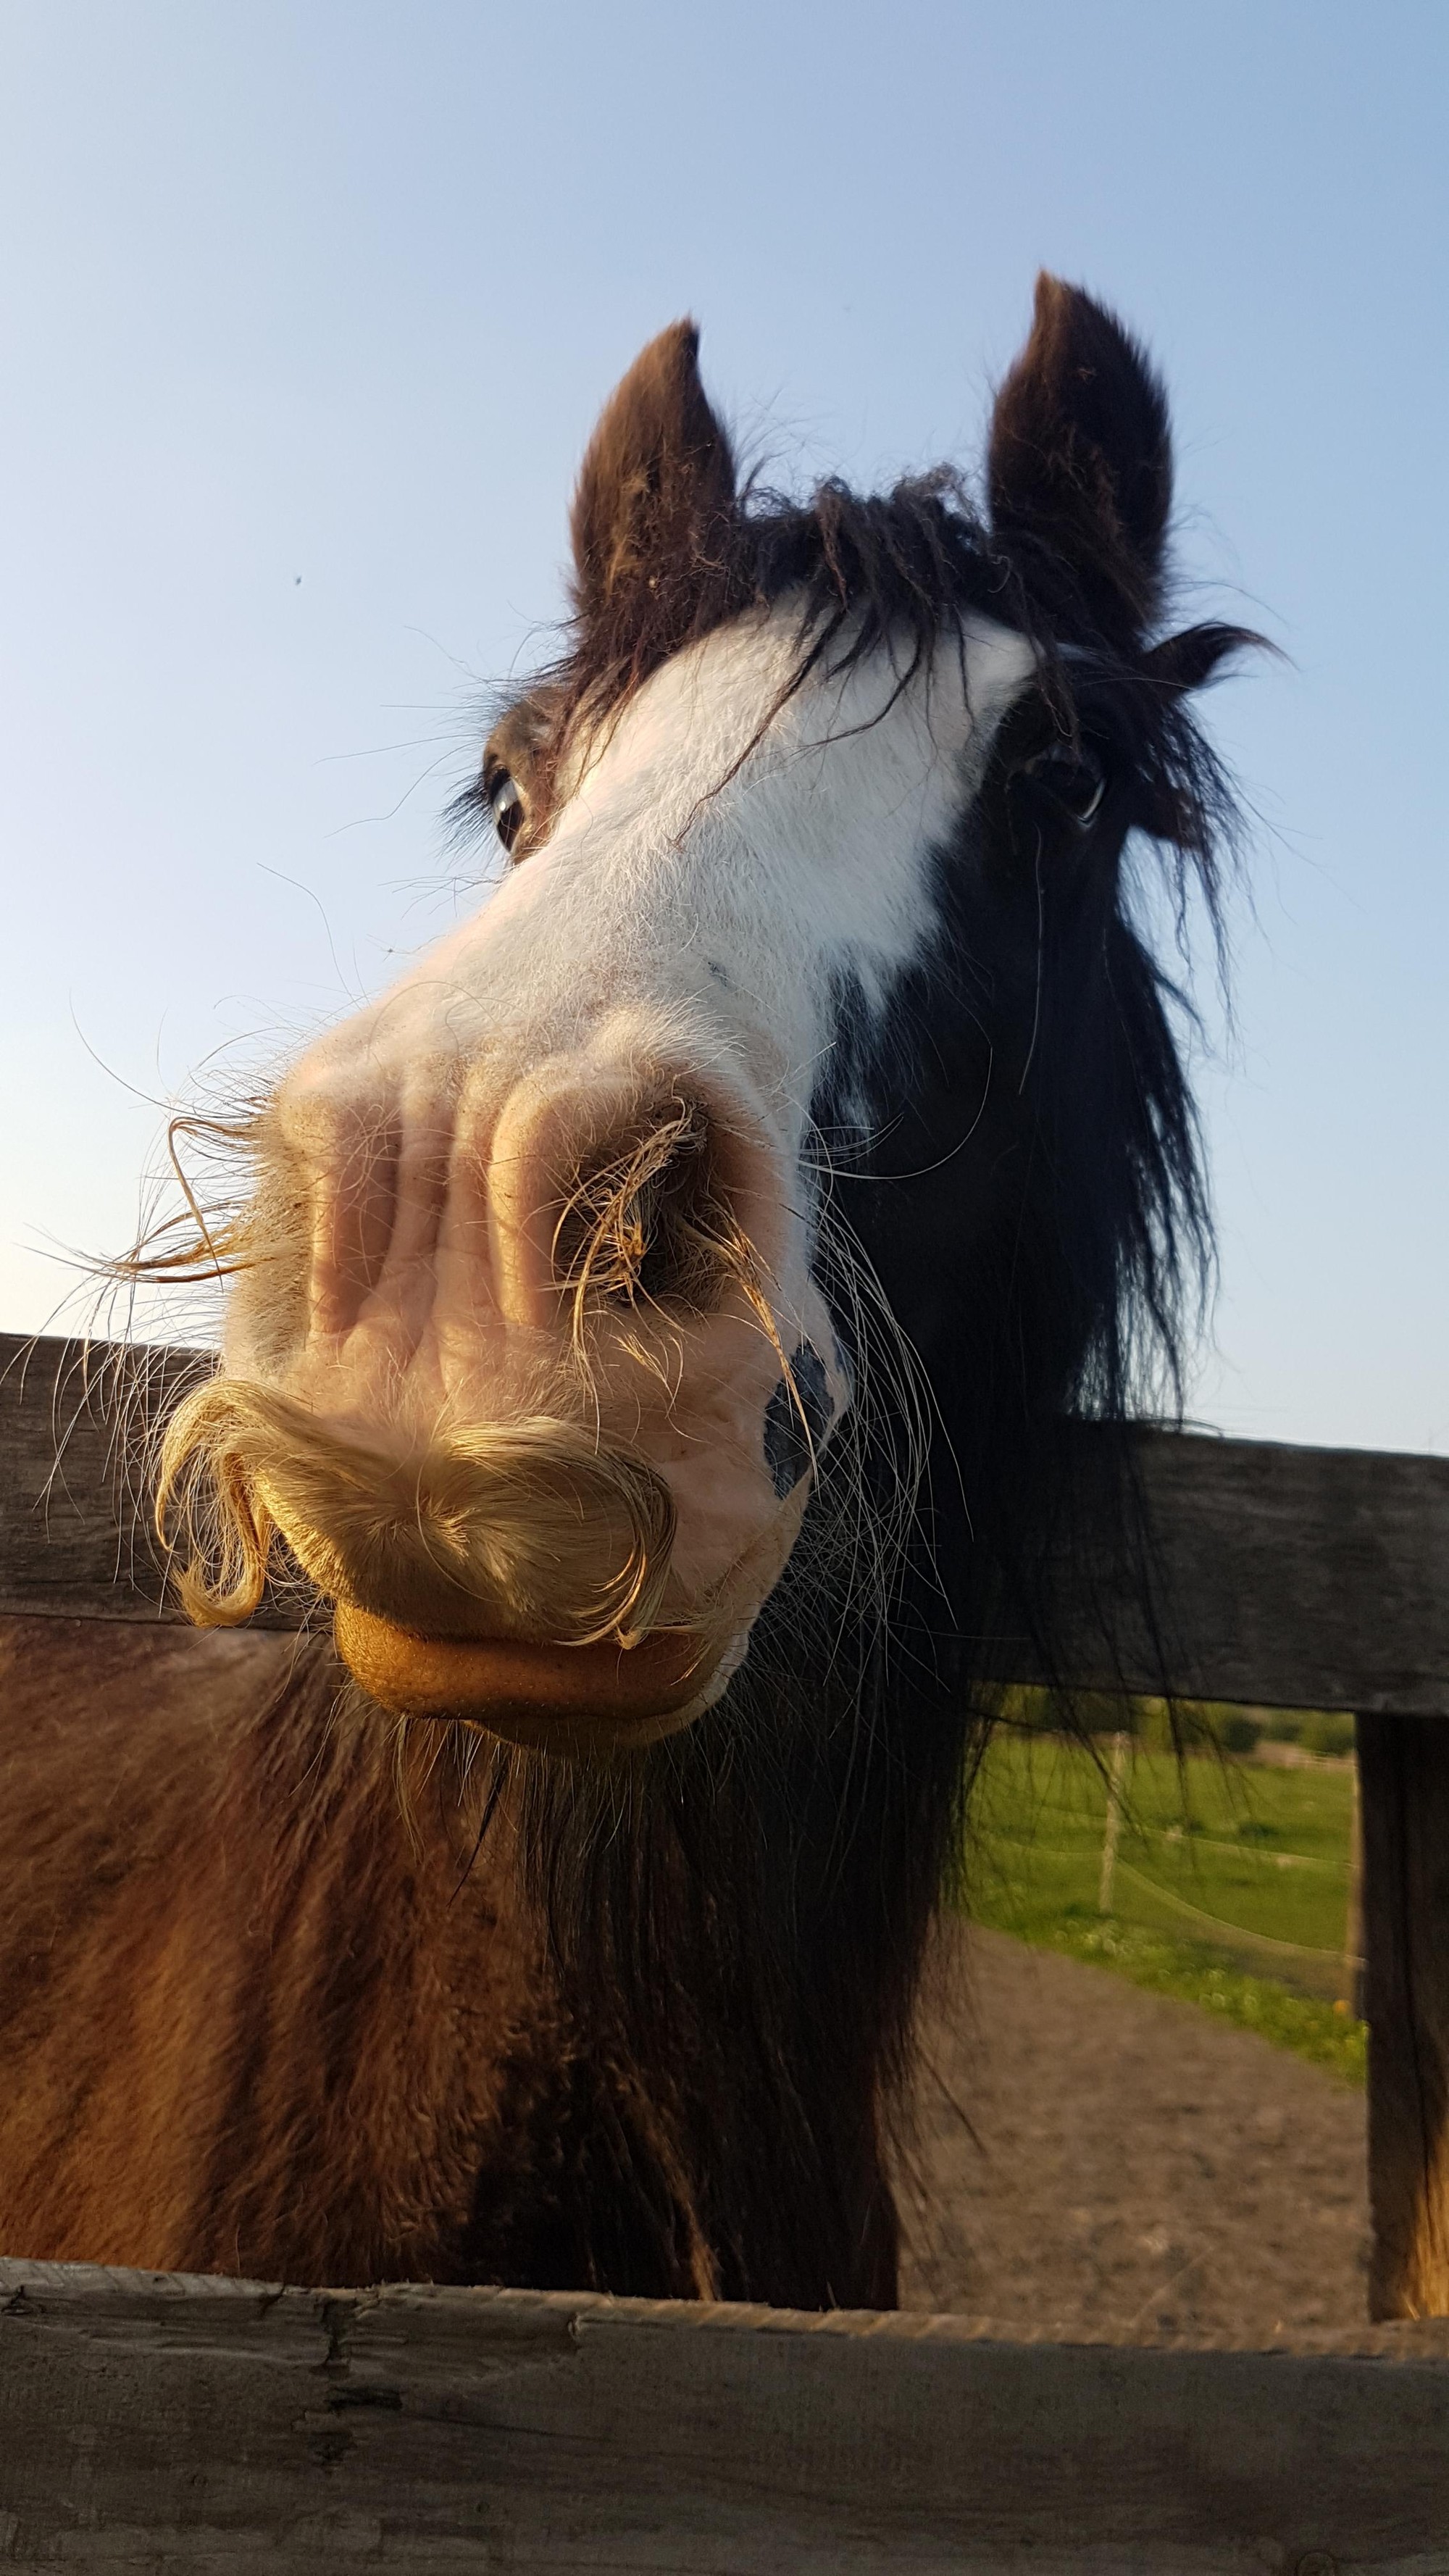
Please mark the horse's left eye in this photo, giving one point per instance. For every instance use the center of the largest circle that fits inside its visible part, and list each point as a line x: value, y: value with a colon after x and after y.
x: 1074, y: 779
x: 505, y: 804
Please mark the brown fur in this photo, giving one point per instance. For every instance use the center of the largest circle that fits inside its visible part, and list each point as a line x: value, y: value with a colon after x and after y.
x: 654, y: 515
x: 261, y: 2015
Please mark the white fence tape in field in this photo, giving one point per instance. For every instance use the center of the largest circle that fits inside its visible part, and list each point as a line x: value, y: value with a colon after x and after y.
x: 1220, y: 1923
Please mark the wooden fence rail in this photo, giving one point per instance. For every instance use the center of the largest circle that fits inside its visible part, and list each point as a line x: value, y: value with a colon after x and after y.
x: 163, y: 2424
x: 1295, y: 1578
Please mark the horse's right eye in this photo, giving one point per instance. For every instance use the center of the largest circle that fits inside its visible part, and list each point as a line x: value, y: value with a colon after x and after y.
x: 1073, y: 779
x: 505, y: 804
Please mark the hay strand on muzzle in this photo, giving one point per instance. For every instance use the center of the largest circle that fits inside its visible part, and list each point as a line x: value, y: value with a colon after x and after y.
x: 522, y: 1529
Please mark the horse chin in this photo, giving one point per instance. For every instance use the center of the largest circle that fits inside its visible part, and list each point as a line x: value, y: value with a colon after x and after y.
x: 555, y: 1699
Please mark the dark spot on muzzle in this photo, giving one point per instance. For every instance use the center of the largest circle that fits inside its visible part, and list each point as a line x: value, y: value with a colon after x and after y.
x: 795, y: 1424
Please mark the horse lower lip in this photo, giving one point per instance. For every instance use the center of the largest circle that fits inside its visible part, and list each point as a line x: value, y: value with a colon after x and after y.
x: 573, y: 1698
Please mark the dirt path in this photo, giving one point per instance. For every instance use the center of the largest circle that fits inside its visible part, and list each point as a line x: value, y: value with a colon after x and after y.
x: 1092, y: 2157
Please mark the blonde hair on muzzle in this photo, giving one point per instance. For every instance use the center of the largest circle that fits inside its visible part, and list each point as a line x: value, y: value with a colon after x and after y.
x: 525, y: 1529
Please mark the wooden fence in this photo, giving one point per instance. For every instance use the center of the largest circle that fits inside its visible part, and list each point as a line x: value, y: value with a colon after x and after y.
x: 163, y: 2423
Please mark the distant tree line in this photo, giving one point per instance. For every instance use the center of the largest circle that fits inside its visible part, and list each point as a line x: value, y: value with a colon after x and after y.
x: 1183, y: 1726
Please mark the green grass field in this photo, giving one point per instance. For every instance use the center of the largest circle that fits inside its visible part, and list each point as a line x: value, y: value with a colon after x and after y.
x: 1230, y: 1889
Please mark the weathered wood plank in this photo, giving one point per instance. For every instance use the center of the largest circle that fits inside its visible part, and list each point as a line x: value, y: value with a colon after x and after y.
x: 1296, y: 1577
x: 75, y: 1534
x: 1310, y: 1578
x: 1289, y: 1577
x: 179, y: 2425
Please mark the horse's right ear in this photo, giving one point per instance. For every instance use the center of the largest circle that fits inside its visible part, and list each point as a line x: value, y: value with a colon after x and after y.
x: 655, y: 496
x: 1080, y: 468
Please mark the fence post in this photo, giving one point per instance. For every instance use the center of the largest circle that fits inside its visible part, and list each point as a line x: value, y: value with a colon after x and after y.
x: 1112, y: 1831
x: 1404, y: 1804
x: 1353, y: 1959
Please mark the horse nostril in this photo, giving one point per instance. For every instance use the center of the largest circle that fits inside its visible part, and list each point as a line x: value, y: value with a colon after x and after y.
x: 647, y: 1217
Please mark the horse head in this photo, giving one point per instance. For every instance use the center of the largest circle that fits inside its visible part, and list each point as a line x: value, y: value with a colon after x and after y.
x: 798, y: 1117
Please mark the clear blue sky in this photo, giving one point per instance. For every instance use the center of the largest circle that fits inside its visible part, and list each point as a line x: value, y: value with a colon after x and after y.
x: 307, y: 311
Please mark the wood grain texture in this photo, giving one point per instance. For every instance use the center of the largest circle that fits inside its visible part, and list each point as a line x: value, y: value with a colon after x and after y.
x: 205, y: 2425
x: 1282, y: 1577
x: 1290, y: 1577
x: 1404, y: 1792
x: 1311, y: 1578
x: 75, y: 1533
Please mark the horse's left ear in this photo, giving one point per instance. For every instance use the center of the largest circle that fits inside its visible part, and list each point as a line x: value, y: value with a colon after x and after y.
x: 655, y: 497
x: 1080, y: 467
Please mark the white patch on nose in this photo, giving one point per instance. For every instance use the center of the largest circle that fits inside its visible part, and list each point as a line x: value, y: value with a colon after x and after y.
x: 706, y: 912
x: 683, y: 933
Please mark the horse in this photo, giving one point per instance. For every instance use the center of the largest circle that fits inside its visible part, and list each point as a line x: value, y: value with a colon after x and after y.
x: 649, y: 1333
